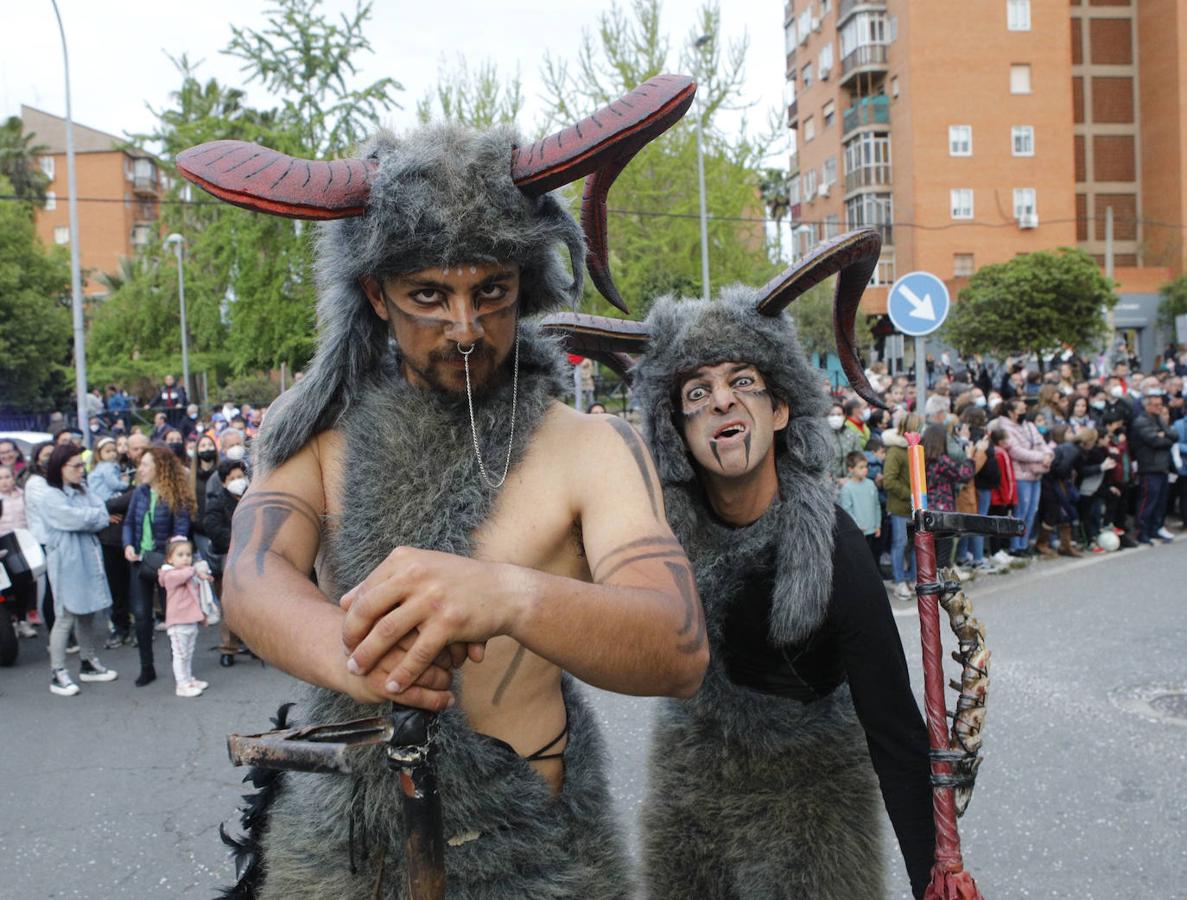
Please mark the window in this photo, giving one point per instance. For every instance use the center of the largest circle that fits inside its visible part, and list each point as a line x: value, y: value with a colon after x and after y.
x: 960, y: 140
x: 884, y: 273
x: 962, y: 265
x: 809, y: 129
x: 862, y: 29
x: 830, y: 171
x: 47, y: 166
x: 805, y: 25
x: 894, y: 87
x: 962, y: 203
x: 51, y: 201
x: 793, y: 190
x: 826, y: 59
x: 1023, y: 139
x: 828, y: 112
x: 790, y: 37
x: 807, y: 75
x: 1020, y: 78
x: 1024, y: 202
x: 873, y: 210
x: 825, y: 6
x: 810, y: 184
x: 832, y: 226
x: 62, y: 235
x: 1018, y: 15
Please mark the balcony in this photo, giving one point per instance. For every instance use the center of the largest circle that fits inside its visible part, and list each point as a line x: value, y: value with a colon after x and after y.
x: 145, y: 185
x: 793, y: 114
x: 791, y: 71
x: 788, y: 12
x: 866, y: 111
x: 848, y: 7
x: 867, y: 177
x: 869, y: 58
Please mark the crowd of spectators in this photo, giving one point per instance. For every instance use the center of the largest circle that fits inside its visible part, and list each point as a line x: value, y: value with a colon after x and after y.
x: 1089, y: 459
x: 96, y: 533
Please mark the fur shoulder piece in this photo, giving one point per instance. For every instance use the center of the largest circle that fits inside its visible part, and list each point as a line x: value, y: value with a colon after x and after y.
x: 800, y: 528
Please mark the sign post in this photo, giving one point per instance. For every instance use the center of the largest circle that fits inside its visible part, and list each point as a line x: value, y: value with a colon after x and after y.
x: 917, y: 305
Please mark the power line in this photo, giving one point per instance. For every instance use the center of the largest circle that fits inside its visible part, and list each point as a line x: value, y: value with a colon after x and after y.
x: 756, y: 220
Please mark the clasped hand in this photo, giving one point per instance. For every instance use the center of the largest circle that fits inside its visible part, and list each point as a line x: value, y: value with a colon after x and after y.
x: 419, y: 615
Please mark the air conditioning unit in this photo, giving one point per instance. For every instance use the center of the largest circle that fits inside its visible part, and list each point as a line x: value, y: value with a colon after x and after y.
x: 824, y: 189
x: 1028, y: 221
x: 825, y: 71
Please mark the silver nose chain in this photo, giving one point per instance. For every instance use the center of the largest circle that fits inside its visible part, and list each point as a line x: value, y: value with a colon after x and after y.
x: 492, y: 484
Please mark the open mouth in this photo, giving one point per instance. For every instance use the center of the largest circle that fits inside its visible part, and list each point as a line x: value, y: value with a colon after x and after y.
x: 729, y: 430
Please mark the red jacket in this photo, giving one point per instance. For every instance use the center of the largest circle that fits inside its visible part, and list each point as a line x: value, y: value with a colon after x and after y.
x: 1006, y: 492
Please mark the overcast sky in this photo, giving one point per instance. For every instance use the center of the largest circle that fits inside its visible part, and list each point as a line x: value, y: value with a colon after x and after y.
x: 119, y: 65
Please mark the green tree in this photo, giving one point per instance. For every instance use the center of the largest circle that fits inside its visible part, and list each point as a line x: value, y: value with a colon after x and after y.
x: 308, y: 61
x: 250, y: 293
x: 813, y: 317
x: 18, y: 163
x: 1173, y: 302
x: 1032, y: 303
x: 477, y: 98
x: 654, y: 205
x: 34, y: 319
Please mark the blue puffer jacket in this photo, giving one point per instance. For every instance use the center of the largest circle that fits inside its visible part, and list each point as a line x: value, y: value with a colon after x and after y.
x: 165, y: 524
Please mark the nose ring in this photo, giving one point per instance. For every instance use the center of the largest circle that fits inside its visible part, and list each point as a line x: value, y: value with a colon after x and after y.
x: 465, y: 352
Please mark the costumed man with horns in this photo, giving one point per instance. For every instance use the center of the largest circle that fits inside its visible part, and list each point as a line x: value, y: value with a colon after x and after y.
x: 760, y: 785
x: 453, y: 508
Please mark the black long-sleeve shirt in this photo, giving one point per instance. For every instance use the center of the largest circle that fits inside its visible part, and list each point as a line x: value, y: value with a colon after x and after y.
x: 859, y: 643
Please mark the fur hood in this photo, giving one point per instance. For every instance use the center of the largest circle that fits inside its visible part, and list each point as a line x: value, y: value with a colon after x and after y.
x: 891, y: 438
x: 688, y: 334
x: 442, y: 196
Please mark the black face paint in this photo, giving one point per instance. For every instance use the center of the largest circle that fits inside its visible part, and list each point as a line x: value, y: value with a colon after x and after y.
x: 746, y: 443
x: 716, y: 455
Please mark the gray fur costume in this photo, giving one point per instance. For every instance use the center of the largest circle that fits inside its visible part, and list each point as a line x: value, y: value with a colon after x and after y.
x: 515, y: 839
x: 441, y: 197
x: 753, y: 795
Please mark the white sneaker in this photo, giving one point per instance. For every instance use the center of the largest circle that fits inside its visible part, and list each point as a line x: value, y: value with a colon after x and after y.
x: 902, y: 591
x: 93, y: 670
x: 189, y: 689
x: 25, y: 630
x: 963, y: 574
x: 61, y: 684
x: 160, y: 626
x: 1162, y: 533
x: 200, y: 684
x: 1003, y: 557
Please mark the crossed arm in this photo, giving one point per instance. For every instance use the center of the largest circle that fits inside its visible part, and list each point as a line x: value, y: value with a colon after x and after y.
x: 637, y: 629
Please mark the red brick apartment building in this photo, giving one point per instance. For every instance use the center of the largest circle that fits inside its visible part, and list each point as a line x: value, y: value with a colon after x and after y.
x: 970, y: 131
x: 119, y: 190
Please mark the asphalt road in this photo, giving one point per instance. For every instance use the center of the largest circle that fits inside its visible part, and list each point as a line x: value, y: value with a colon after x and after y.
x: 119, y: 792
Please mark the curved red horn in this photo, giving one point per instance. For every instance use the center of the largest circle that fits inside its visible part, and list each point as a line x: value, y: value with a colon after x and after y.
x: 614, y: 342
x: 255, y: 177
x: 600, y: 146
x: 852, y: 257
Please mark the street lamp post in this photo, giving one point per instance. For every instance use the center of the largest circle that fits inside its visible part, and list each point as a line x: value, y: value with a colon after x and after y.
x: 80, y: 335
x: 700, y: 43
x: 178, y: 241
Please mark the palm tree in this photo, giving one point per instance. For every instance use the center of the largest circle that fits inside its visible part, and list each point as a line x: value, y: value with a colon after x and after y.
x: 18, y: 162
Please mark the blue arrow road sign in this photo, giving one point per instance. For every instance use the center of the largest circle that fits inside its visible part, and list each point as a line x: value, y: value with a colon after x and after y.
x: 918, y: 303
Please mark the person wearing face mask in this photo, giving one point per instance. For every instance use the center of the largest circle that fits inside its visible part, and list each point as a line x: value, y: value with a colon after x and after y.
x: 230, y: 483
x: 232, y: 444
x: 204, y: 470
x: 845, y: 441
x: 1032, y: 458
x: 856, y: 414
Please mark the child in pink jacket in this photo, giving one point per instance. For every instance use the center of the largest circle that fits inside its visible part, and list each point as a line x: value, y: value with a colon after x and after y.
x: 183, y: 612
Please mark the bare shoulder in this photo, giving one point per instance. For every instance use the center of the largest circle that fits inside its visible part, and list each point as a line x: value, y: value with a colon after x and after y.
x: 604, y: 456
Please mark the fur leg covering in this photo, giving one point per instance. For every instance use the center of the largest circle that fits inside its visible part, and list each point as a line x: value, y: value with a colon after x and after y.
x: 509, y: 835
x: 726, y: 820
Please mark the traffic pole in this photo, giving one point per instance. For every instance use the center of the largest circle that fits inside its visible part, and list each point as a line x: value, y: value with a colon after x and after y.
x: 920, y: 374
